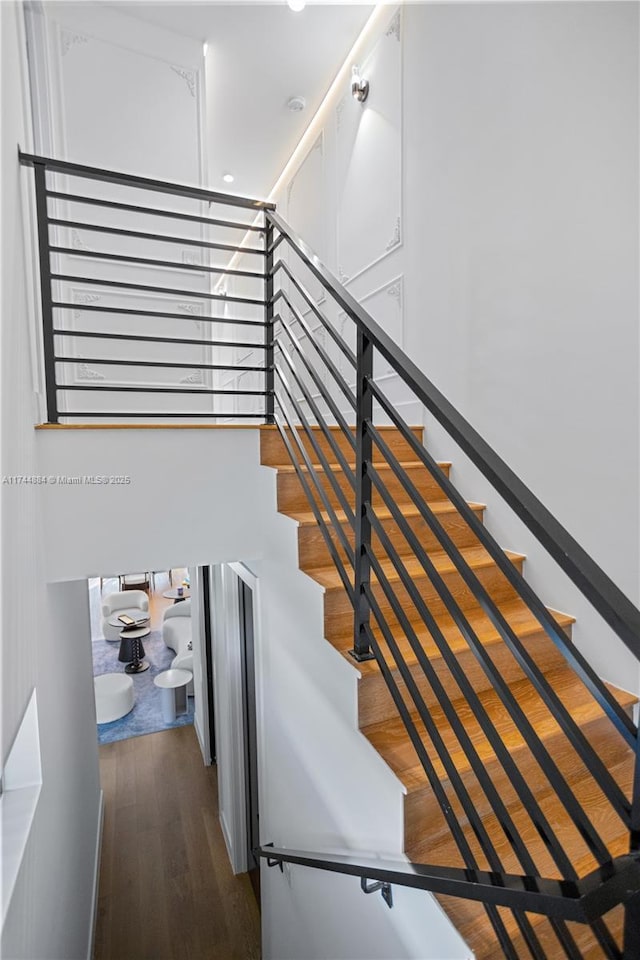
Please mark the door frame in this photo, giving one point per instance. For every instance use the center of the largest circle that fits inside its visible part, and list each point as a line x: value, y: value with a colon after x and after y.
x: 228, y: 698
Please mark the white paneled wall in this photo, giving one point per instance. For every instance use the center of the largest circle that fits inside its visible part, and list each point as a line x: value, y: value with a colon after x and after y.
x: 116, y: 93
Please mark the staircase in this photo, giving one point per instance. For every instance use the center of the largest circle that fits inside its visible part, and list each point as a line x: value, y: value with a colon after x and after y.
x: 427, y: 836
x: 521, y: 767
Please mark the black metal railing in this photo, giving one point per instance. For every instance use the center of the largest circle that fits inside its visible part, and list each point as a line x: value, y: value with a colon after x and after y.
x: 321, y: 383
x: 126, y: 338
x: 319, y: 387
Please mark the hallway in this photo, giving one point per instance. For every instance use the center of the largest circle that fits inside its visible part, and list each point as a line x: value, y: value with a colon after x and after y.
x: 166, y: 887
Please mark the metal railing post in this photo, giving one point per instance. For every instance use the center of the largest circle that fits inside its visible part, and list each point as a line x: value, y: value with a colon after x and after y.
x: 40, y: 172
x: 269, y: 328
x: 364, y: 452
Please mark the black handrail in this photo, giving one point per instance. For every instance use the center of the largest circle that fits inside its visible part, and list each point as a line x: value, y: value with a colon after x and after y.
x: 145, y: 183
x: 605, y: 596
x: 581, y: 901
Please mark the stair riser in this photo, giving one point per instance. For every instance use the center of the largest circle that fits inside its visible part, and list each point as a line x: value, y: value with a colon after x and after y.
x: 338, y: 612
x: 313, y: 551
x: 292, y: 498
x: 375, y: 702
x: 424, y: 823
x: 273, y: 452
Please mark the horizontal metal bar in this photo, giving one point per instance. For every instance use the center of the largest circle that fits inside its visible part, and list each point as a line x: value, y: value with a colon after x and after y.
x: 530, y: 668
x: 581, y: 902
x: 133, y: 312
x: 312, y: 503
x: 135, y: 337
x: 99, y: 388
x: 276, y: 243
x: 607, y: 598
x: 304, y: 293
x: 324, y: 463
x: 134, y: 208
x: 324, y: 393
x: 594, y: 684
x: 146, y: 262
x: 467, y: 690
x: 163, y: 238
x: 458, y: 727
x: 159, y: 363
x: 144, y: 183
x: 450, y: 815
x: 324, y: 356
x: 147, y: 288
x: 539, y: 750
x: 146, y: 415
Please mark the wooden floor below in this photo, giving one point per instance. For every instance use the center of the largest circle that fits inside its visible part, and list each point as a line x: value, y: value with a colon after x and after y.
x: 166, y: 887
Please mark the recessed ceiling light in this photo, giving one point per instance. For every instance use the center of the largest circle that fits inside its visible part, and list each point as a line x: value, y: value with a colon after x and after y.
x: 296, y: 5
x: 228, y: 177
x: 296, y: 104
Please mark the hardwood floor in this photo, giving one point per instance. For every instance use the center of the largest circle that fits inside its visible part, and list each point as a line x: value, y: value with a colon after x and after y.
x: 166, y: 887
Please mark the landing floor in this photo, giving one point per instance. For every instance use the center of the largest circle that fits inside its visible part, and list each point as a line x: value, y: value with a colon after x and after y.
x: 166, y: 887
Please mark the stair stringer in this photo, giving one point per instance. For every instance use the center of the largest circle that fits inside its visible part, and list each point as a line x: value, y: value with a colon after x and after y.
x: 323, y: 787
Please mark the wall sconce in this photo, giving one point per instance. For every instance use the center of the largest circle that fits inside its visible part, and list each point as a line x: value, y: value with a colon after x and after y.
x: 359, y: 86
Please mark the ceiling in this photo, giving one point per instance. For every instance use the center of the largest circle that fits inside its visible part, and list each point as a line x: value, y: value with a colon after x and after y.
x: 258, y: 56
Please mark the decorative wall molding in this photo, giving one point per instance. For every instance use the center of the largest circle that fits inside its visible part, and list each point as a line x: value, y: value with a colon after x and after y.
x: 132, y: 351
x: 76, y: 241
x: 68, y: 39
x: 395, y: 291
x: 393, y: 29
x: 189, y: 77
x: 82, y: 298
x: 85, y: 372
x: 194, y: 310
x: 396, y: 238
x: 196, y: 376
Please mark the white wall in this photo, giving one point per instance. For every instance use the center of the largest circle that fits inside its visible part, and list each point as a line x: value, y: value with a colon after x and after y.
x: 317, y: 774
x: 512, y: 276
x: 43, y: 633
x: 195, y: 497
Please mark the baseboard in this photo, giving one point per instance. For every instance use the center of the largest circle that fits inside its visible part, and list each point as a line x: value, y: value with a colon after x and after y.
x: 96, y: 879
x: 227, y: 839
x: 203, y: 746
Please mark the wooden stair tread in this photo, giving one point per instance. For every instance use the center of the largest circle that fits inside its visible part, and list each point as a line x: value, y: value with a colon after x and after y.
x: 438, y: 507
x: 473, y: 925
x: 392, y: 741
x: 380, y: 467
x: 443, y: 849
x: 476, y: 557
x: 516, y: 612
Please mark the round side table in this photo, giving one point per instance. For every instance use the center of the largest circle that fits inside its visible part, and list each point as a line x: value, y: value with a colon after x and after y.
x: 131, y: 649
x: 173, y: 691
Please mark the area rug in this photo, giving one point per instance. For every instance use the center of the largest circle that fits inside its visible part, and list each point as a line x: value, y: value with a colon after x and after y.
x: 146, y: 716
